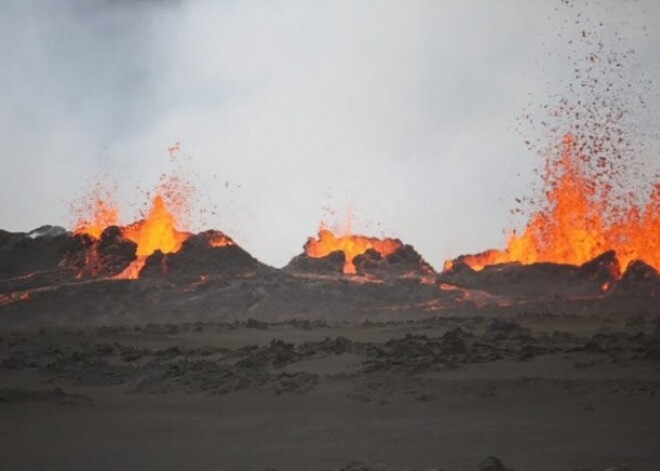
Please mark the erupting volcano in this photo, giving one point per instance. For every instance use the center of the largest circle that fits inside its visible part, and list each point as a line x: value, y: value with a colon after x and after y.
x: 157, y: 231
x: 95, y: 212
x: 155, y: 246
x: 579, y: 222
x: 373, y: 259
x: 350, y: 245
x: 598, y: 193
x: 591, y: 241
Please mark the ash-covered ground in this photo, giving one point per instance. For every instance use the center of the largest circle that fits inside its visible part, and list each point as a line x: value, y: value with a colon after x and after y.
x: 537, y: 391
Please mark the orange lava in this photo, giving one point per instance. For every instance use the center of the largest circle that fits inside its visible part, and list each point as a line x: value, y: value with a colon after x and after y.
x: 578, y: 223
x: 96, y: 212
x: 132, y: 271
x: 220, y: 240
x: 351, y: 245
x: 155, y: 232
x: 11, y: 298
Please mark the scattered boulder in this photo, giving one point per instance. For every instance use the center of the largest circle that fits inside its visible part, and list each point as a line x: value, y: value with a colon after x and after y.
x: 505, y: 330
x: 452, y: 341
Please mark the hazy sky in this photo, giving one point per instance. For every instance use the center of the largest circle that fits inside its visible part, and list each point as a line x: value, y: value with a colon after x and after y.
x: 403, y: 111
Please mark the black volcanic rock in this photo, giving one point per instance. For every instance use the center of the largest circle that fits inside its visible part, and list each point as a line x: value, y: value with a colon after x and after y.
x: 47, y: 232
x: 331, y: 264
x: 638, y: 279
x: 405, y: 262
x: 106, y: 257
x: 499, y: 330
x: 115, y: 251
x: 198, y: 258
x: 538, y: 280
x: 50, y: 276
x: 603, y: 269
x: 7, y: 238
x: 640, y: 272
x: 27, y: 253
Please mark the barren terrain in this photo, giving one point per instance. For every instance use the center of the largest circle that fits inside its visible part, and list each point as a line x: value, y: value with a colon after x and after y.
x: 539, y: 391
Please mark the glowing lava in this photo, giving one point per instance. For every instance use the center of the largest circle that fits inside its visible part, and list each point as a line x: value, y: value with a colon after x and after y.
x: 96, y: 212
x: 579, y: 222
x: 220, y: 240
x: 156, y: 232
x: 351, y: 246
x: 132, y: 271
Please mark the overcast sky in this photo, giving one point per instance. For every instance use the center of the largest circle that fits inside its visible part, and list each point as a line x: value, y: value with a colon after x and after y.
x: 404, y: 111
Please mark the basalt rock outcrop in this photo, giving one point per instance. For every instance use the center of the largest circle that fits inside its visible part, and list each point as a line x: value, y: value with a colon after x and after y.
x: 403, y: 263
x: 199, y: 258
x: 538, y: 280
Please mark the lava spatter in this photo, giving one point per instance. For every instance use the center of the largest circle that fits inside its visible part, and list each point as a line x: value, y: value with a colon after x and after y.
x: 350, y: 245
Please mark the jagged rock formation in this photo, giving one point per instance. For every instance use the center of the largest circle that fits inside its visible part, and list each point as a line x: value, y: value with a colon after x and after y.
x: 539, y: 280
x: 403, y: 263
x: 49, y: 276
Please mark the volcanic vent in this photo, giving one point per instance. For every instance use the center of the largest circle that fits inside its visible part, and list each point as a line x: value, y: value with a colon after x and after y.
x: 155, y: 246
x: 352, y: 254
x: 100, y: 247
x: 579, y: 223
x: 599, y: 201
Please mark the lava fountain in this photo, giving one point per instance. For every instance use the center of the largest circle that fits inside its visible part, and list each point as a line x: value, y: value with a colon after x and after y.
x: 95, y: 212
x: 157, y: 231
x: 597, y: 194
x: 579, y: 221
x: 350, y: 245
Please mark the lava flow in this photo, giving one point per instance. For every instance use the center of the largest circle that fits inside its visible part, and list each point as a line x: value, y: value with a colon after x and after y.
x: 579, y: 222
x: 350, y: 245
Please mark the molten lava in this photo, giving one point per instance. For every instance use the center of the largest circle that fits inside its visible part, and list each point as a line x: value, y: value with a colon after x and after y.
x: 96, y: 213
x: 132, y: 271
x: 220, y: 240
x: 579, y: 223
x: 156, y: 232
x: 351, y: 246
